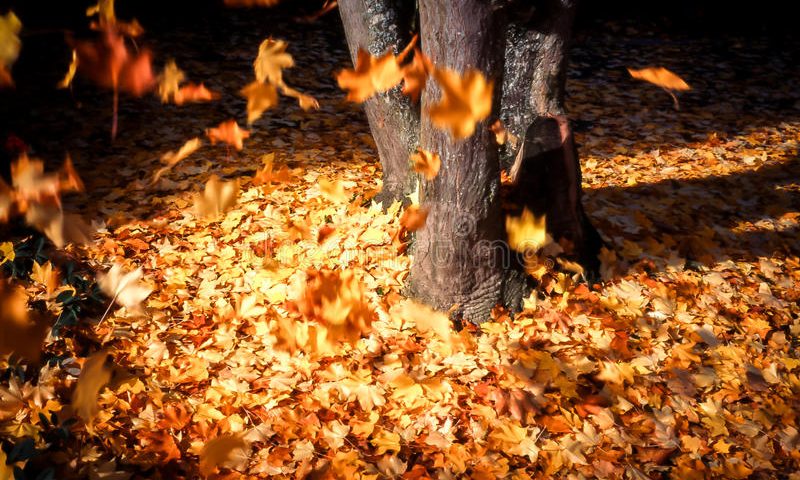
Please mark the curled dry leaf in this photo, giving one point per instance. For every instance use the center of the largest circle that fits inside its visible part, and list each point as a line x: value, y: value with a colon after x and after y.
x: 125, y: 289
x: 260, y: 98
x: 95, y: 374
x: 9, y: 46
x: 465, y: 101
x: 218, y: 197
x: 170, y: 159
x: 21, y: 331
x: 426, y: 163
x: 224, y: 451
x: 526, y: 232
x: 414, y: 218
x: 228, y: 132
x: 271, y: 60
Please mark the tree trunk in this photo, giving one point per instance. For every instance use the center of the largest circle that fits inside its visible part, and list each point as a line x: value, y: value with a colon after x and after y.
x: 378, y: 26
x: 544, y: 162
x: 458, y: 255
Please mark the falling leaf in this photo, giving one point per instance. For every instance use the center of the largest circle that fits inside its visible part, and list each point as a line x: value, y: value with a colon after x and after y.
x: 306, y: 102
x: 426, y: 163
x: 194, y: 93
x: 465, y: 101
x: 424, y: 318
x: 370, y: 76
x: 71, y: 70
x: 337, y: 300
x: 415, y: 75
x: 124, y: 288
x: 500, y: 132
x: 222, y: 451
x: 169, y: 81
x: 260, y: 98
x: 7, y: 200
x: 661, y: 77
x: 228, y: 132
x: 170, y: 159
x: 333, y: 190
x: 21, y: 330
x: 59, y: 227
x: 414, y: 218
x: 271, y: 60
x: 108, y: 62
x: 9, y: 46
x: 217, y: 198
x: 95, y: 374
x: 526, y: 233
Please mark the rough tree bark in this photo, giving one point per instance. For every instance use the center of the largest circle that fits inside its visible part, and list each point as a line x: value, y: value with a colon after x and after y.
x: 461, y: 263
x: 378, y: 26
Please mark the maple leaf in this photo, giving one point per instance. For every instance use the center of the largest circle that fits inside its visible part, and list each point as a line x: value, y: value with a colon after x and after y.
x: 426, y: 163
x: 108, y: 62
x: 194, y: 93
x: 223, y: 451
x: 260, y: 98
x: 45, y: 275
x: 333, y: 190
x: 9, y: 46
x: 526, y: 233
x: 124, y: 288
x: 306, y: 102
x: 465, y: 101
x: 415, y: 75
x: 218, y: 197
x: 21, y: 331
x: 228, y: 132
x: 414, y: 218
x: 370, y: 76
x: 60, y: 228
x: 271, y: 60
x: 95, y: 374
x: 385, y: 441
x: 338, y: 301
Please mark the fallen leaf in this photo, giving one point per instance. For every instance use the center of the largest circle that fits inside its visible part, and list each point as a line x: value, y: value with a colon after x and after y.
x: 95, y: 374
x: 222, y: 451
x: 217, y: 198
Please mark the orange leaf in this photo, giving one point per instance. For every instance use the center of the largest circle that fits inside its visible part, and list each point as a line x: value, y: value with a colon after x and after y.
x: 194, y: 93
x: 372, y: 75
x: 415, y: 75
x: 413, y: 218
x: 465, y: 101
x: 228, y: 132
x: 426, y: 163
x: 661, y: 77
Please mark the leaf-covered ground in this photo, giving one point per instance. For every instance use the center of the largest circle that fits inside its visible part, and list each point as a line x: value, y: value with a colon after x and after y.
x: 682, y: 363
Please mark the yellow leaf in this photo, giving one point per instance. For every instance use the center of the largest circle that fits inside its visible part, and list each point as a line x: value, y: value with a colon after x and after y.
x: 217, y: 197
x: 306, y: 102
x: 526, y: 233
x: 45, y: 275
x: 169, y: 81
x: 70, y: 75
x: 172, y: 158
x: 20, y: 332
x: 7, y: 252
x: 95, y: 374
x: 426, y: 163
x: 424, y: 318
x: 333, y: 190
x: 9, y: 45
x: 124, y: 289
x: 465, y: 101
x: 271, y: 60
x: 222, y: 451
x: 406, y: 390
x: 385, y: 441
x: 260, y: 98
